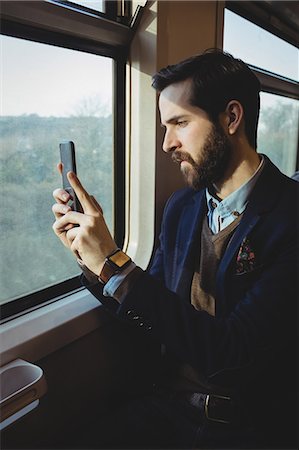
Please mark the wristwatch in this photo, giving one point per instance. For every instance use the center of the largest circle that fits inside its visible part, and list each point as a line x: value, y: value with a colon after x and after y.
x: 114, y: 263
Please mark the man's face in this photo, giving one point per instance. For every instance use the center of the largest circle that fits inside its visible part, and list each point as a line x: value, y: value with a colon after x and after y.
x: 201, y: 148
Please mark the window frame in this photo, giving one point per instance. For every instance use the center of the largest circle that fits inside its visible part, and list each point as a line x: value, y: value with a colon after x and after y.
x: 55, y: 23
x: 267, y: 16
x: 260, y: 14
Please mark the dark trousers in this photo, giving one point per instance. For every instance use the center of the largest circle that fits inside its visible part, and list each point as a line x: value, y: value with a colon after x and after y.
x: 164, y: 421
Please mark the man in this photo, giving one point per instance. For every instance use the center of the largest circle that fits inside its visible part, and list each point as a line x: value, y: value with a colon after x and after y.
x: 220, y: 295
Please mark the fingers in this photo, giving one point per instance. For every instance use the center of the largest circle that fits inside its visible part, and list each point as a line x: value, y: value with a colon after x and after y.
x: 68, y: 221
x: 59, y: 209
x: 60, y: 167
x: 83, y: 196
x: 72, y: 234
x: 71, y: 237
x: 64, y: 223
x: 88, y: 202
x: 61, y: 196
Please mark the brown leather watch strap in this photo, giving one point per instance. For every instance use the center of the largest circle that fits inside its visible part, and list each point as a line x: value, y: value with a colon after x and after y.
x: 114, y: 263
x: 107, y: 272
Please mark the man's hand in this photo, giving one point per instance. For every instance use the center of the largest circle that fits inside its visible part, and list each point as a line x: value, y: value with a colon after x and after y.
x: 87, y: 234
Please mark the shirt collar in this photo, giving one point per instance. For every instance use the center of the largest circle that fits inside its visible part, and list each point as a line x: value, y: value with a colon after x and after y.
x: 236, y: 202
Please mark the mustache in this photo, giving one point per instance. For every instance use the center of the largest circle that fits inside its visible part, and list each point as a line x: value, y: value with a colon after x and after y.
x: 179, y: 156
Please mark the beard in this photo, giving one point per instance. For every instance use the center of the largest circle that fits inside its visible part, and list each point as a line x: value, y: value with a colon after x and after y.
x: 214, y: 160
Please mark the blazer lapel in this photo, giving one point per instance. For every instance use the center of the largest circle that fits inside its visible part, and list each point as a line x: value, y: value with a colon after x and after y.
x: 186, y: 242
x: 262, y: 199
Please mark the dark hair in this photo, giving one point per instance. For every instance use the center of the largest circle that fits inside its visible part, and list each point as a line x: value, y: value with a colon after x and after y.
x: 217, y: 77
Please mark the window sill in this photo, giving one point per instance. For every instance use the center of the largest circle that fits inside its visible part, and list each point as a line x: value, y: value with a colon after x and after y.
x: 43, y: 331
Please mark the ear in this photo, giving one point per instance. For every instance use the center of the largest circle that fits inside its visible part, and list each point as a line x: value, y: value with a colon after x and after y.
x: 234, y: 114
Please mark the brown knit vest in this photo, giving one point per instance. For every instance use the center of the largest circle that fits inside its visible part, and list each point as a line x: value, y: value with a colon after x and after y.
x: 212, y: 248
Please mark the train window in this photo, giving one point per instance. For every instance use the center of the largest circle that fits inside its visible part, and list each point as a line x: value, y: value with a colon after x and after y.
x: 49, y: 94
x: 278, y: 130
x: 275, y: 62
x: 258, y: 47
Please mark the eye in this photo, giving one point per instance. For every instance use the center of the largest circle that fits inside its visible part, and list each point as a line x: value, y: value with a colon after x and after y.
x: 182, y: 123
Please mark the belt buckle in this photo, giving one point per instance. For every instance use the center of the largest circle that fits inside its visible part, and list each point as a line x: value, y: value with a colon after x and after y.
x: 207, y: 402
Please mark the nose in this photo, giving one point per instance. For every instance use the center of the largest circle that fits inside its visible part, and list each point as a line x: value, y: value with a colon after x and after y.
x: 170, y: 142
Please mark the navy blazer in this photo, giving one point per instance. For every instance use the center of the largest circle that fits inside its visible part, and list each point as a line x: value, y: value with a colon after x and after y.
x: 249, y: 346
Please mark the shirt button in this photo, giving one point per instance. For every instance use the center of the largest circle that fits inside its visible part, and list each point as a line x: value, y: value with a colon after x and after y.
x: 236, y: 213
x: 214, y: 205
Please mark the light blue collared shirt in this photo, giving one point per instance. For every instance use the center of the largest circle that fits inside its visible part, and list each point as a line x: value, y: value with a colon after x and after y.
x: 222, y: 213
x: 115, y: 281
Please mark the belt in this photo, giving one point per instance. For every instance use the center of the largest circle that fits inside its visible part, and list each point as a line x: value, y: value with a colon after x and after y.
x: 217, y: 408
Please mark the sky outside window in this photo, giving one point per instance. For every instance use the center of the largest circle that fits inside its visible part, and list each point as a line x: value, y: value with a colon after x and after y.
x: 55, y: 81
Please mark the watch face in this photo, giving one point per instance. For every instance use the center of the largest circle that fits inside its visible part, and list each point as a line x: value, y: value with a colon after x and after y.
x: 119, y: 259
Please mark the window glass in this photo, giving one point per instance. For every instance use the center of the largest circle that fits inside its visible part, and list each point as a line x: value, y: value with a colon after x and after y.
x: 278, y: 131
x: 97, y: 5
x: 49, y: 94
x: 258, y: 47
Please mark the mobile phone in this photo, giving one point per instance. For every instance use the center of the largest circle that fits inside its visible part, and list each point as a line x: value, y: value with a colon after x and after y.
x: 68, y: 159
